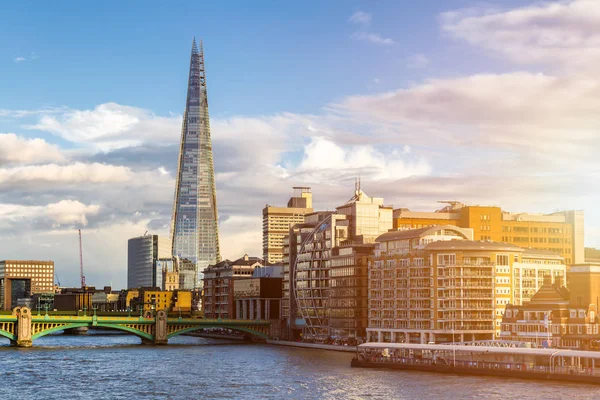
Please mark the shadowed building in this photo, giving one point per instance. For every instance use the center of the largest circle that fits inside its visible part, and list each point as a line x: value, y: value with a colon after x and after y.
x: 217, y: 300
x: 194, y: 226
x: 143, y: 255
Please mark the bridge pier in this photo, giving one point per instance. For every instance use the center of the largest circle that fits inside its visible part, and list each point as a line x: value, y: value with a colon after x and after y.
x: 24, y: 338
x: 160, y: 329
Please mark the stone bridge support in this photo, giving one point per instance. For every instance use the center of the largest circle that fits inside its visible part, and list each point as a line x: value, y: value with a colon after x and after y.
x: 160, y: 328
x: 23, y: 327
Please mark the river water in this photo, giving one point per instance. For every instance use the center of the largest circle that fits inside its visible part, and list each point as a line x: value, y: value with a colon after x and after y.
x: 109, y: 366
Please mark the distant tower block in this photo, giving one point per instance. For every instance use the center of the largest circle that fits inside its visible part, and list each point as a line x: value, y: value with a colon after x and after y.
x: 194, y: 226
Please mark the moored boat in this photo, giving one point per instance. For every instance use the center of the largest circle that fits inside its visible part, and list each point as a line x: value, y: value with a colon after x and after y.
x: 525, y: 363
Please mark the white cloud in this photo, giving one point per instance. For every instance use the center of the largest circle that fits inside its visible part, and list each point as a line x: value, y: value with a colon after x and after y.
x: 20, y: 59
x: 360, y: 18
x: 417, y: 61
x: 19, y: 150
x: 324, y: 161
x: 374, y: 38
x: 564, y: 33
x: 539, y: 115
x: 56, y: 215
x: 94, y: 173
x: 111, y: 126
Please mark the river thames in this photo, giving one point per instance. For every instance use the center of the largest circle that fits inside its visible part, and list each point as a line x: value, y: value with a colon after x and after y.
x: 108, y: 366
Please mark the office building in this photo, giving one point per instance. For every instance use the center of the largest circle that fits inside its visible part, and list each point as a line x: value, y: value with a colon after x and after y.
x: 559, y: 232
x: 21, y: 278
x: 357, y: 222
x: 145, y: 258
x: 278, y: 220
x: 194, y: 225
x: 217, y: 299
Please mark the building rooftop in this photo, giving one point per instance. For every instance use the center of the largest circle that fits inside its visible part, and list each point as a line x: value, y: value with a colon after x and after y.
x: 537, y: 253
x: 420, y: 232
x: 472, y: 245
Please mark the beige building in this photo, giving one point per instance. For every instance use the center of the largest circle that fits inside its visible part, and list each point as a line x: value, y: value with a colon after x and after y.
x: 530, y: 271
x: 278, y: 220
x: 22, y: 278
x: 437, y: 284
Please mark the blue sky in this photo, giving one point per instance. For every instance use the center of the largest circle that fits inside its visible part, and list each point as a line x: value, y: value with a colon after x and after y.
x: 488, y: 103
x: 267, y: 57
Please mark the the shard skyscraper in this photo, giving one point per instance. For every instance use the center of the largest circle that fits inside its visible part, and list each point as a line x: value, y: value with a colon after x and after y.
x: 194, y: 226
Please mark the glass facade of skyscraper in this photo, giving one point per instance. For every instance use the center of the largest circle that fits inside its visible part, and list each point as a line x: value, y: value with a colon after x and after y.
x: 194, y: 226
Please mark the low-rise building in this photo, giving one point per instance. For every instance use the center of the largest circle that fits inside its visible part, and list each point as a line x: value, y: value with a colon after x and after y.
x: 217, y: 298
x: 558, y: 316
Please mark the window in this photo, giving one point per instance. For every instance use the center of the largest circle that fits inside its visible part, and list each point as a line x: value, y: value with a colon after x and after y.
x: 502, y: 259
x: 446, y: 259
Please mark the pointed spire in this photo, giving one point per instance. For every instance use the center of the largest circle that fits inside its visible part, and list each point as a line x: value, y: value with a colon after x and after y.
x: 194, y: 46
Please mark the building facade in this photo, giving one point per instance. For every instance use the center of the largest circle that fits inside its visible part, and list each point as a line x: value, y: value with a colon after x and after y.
x: 348, y: 292
x: 558, y: 316
x: 435, y: 284
x: 357, y: 222
x: 217, y: 298
x: 278, y: 220
x: 560, y: 232
x: 144, y: 268
x: 22, y: 278
x: 530, y: 271
x: 194, y: 225
x: 297, y: 235
x: 257, y: 298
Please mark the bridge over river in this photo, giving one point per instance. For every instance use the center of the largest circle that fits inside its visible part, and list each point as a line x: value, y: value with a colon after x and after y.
x: 23, y: 327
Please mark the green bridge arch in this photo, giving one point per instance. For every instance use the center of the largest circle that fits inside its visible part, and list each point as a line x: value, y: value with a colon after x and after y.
x: 8, y: 335
x: 233, y: 328
x: 133, y: 331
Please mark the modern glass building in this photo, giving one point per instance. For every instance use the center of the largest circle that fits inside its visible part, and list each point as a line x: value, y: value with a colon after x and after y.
x: 143, y: 254
x: 194, y: 226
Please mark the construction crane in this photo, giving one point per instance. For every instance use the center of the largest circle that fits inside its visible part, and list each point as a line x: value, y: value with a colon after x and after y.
x: 81, y: 261
x: 57, y: 279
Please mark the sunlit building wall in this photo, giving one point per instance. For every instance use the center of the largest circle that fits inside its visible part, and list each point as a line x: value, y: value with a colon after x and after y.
x: 429, y: 283
x: 560, y: 232
x: 278, y: 220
